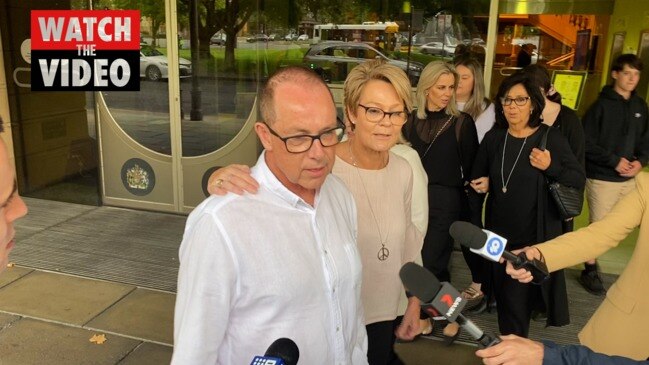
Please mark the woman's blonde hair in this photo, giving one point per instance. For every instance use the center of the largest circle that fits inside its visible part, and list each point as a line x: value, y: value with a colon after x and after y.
x: 375, y: 70
x: 429, y: 77
x: 477, y: 102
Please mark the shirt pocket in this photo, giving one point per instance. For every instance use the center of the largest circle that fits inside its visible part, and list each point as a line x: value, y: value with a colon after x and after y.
x: 355, y: 265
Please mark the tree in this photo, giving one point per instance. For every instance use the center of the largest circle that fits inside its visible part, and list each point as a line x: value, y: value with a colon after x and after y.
x: 154, y: 10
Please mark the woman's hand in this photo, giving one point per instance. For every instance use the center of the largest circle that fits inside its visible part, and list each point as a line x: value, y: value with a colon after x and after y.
x: 540, y: 159
x: 410, y: 325
x: 480, y: 185
x: 232, y: 179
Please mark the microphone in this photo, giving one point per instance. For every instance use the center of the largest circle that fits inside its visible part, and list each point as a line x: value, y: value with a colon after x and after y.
x: 442, y: 298
x: 283, y: 351
x: 492, y: 247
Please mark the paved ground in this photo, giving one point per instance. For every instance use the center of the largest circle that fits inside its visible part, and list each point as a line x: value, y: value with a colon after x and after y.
x: 49, y: 318
x: 83, y: 271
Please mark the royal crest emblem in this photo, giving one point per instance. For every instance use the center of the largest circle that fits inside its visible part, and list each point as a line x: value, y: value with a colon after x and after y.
x: 137, y: 178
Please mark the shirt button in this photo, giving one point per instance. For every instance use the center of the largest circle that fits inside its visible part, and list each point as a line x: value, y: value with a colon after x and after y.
x: 337, y: 329
x: 326, y: 252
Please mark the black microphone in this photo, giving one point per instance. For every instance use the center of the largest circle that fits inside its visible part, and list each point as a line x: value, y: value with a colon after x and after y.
x: 443, y: 298
x: 283, y: 351
x: 492, y: 247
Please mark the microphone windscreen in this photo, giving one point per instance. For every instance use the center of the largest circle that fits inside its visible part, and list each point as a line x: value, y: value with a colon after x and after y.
x: 468, y: 235
x: 285, y: 349
x: 419, y: 281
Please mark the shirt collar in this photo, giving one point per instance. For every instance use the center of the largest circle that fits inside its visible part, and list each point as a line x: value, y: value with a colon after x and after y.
x: 268, y: 180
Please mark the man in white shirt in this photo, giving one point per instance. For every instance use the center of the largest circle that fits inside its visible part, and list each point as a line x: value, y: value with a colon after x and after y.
x: 282, y: 262
x: 11, y: 206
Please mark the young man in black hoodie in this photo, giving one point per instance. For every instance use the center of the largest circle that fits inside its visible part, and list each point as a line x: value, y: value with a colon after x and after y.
x: 617, y: 147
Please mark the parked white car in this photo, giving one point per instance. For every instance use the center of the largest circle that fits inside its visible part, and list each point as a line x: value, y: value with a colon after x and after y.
x: 438, y: 49
x: 303, y: 37
x: 154, y: 64
x: 218, y: 39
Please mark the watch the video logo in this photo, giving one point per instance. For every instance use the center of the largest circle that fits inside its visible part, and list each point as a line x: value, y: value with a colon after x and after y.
x: 85, y: 50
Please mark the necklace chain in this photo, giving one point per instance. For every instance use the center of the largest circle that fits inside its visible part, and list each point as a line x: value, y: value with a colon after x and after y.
x: 351, y: 154
x: 383, y: 252
x: 439, y: 131
x: 502, y: 164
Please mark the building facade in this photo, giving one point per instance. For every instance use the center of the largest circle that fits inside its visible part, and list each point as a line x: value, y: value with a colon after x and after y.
x: 154, y: 148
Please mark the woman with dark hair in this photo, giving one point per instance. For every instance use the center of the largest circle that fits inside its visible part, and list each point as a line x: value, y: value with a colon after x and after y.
x: 511, y: 167
x: 559, y: 116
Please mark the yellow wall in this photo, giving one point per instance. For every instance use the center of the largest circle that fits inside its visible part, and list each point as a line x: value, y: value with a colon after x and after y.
x: 630, y: 16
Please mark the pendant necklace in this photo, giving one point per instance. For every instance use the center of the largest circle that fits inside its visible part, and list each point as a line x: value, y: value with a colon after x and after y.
x: 383, y: 252
x: 502, y: 164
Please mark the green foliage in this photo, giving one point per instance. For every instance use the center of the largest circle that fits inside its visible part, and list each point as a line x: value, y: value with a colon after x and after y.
x: 249, y: 61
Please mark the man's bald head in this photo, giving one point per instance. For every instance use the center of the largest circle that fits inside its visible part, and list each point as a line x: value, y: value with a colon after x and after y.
x: 293, y: 74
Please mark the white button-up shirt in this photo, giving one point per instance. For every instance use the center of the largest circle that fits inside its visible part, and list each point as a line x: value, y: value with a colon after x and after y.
x: 255, y: 268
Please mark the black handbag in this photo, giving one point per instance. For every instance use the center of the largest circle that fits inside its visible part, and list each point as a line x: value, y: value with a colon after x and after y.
x: 568, y: 200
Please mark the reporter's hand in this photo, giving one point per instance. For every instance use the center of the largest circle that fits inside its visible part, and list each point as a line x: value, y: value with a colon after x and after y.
x: 522, y: 275
x: 513, y: 350
x: 232, y: 179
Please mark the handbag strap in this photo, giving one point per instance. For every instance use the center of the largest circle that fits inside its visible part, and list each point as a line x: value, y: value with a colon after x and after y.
x: 544, y: 142
x: 544, y: 139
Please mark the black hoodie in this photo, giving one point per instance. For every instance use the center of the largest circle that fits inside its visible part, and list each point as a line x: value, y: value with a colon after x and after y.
x: 615, y: 128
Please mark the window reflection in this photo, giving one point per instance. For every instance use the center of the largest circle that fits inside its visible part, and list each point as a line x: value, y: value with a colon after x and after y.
x: 238, y: 44
x: 144, y: 114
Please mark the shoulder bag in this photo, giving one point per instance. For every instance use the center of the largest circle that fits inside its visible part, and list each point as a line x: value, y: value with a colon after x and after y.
x: 568, y: 200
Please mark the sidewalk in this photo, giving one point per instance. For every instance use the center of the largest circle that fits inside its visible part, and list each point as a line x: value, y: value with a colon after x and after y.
x: 82, y: 271
x: 49, y: 318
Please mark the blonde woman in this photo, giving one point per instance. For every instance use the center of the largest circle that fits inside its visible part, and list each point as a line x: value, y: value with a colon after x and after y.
x: 377, y: 104
x: 447, y: 142
x: 470, y: 95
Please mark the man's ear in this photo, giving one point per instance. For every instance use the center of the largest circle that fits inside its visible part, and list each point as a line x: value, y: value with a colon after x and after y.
x: 264, y: 135
x: 614, y: 75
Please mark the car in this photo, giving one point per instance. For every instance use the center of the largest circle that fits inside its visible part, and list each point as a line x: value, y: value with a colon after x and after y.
x: 273, y: 37
x: 257, y: 38
x: 438, y: 49
x: 334, y: 59
x: 290, y: 37
x: 303, y: 37
x: 154, y: 65
x: 218, y: 39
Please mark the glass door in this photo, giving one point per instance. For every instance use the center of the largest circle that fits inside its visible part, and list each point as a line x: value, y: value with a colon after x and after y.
x: 194, y: 110
x: 562, y: 38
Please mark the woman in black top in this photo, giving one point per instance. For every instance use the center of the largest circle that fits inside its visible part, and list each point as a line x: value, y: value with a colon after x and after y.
x: 559, y: 116
x: 447, y: 142
x: 519, y: 207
